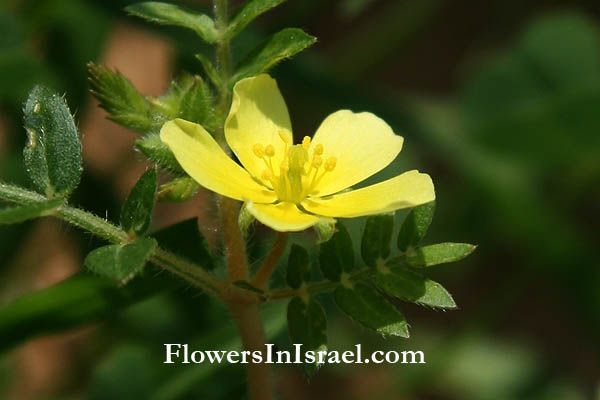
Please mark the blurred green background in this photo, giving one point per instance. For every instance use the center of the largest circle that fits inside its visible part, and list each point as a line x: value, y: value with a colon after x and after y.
x: 498, y: 100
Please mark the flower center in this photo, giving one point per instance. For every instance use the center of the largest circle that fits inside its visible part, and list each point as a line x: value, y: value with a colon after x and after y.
x: 297, y: 175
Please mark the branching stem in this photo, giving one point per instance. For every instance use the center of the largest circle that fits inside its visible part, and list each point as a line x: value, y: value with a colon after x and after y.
x: 262, y: 276
x: 100, y: 227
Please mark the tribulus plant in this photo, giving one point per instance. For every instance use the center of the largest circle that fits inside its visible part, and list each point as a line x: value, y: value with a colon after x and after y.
x: 228, y: 130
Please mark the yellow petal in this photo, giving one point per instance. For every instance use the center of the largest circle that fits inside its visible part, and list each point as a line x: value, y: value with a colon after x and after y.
x: 204, y: 160
x: 282, y: 217
x: 362, y: 143
x: 258, y: 115
x: 406, y: 190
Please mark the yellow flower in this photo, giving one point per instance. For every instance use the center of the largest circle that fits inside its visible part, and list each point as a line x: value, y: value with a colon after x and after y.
x: 292, y: 187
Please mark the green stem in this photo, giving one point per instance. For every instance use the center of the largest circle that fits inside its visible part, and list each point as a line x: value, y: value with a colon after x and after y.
x: 223, y: 54
x: 112, y: 233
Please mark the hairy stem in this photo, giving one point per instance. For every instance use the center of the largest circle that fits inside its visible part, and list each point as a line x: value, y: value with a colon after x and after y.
x: 262, y: 276
x: 249, y: 324
x: 223, y: 54
x: 244, y: 310
x: 235, y: 246
x: 112, y: 233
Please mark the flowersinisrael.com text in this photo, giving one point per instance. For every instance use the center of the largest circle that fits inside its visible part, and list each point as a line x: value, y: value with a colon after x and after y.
x: 181, y: 354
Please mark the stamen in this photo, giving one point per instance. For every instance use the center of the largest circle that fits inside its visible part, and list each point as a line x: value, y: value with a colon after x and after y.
x: 259, y: 150
x: 328, y: 167
x: 284, y: 166
x: 267, y: 175
x: 330, y: 164
x: 270, y: 150
x: 306, y: 142
x: 317, y: 161
x: 283, y: 137
x: 319, y: 149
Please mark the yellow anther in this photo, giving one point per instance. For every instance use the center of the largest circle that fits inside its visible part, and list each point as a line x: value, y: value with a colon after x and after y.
x: 319, y: 149
x: 284, y: 137
x: 317, y: 161
x: 259, y: 150
x: 284, y: 166
x: 330, y: 164
x: 267, y: 175
x: 270, y: 150
x: 306, y: 142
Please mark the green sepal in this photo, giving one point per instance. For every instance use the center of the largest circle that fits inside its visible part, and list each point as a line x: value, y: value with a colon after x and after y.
x: 324, y: 229
x: 137, y: 210
x: 245, y: 14
x: 415, y: 226
x: 411, y: 286
x: 337, y: 255
x: 245, y: 220
x: 188, y: 98
x: 278, y: 47
x: 170, y: 14
x: 121, y: 262
x: 178, y: 190
x: 118, y: 96
x: 307, y: 325
x: 13, y: 215
x: 159, y: 153
x: 185, y: 239
x: 365, y: 305
x: 298, y: 268
x: 440, y: 253
x: 53, y: 151
x: 376, y: 243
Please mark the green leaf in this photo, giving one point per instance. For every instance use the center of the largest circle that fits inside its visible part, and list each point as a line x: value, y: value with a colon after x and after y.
x: 369, y: 308
x: 376, y: 241
x: 249, y: 11
x: 439, y: 254
x: 170, y: 14
x: 307, y: 325
x: 298, y: 270
x: 120, y: 98
x: 411, y: 286
x: 137, y: 210
x: 415, y: 226
x: 189, y: 98
x: 178, y: 190
x: 53, y: 151
x: 209, y: 70
x: 280, y: 46
x: 337, y: 255
x: 121, y: 262
x: 73, y: 302
x: 185, y: 240
x: 159, y: 153
x: 13, y: 215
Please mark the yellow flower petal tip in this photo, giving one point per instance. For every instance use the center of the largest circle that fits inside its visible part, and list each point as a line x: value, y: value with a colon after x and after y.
x: 287, y: 186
